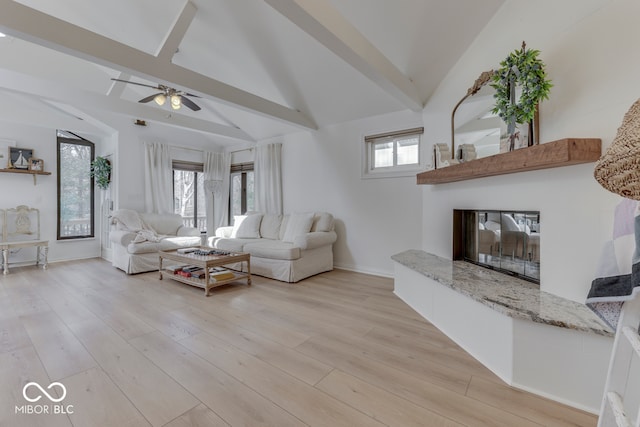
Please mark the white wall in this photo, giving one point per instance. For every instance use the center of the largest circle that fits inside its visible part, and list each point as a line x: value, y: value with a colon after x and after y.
x: 375, y: 218
x: 588, y: 49
x: 18, y: 189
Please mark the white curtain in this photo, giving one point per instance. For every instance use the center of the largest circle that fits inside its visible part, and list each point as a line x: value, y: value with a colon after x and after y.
x: 268, y: 178
x: 158, y: 195
x: 217, y: 169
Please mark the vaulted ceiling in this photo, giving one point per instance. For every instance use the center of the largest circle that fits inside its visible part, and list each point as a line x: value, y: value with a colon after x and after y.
x: 261, y: 67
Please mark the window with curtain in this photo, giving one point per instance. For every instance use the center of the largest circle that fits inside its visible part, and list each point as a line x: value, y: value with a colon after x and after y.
x: 189, y: 195
x: 242, y: 191
x: 75, y: 187
x: 391, y: 154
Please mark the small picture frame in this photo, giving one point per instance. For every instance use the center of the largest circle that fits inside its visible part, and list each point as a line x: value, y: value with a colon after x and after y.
x: 36, y: 165
x: 19, y: 157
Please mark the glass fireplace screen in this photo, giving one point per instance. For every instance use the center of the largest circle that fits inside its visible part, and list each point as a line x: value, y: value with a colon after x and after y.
x: 508, y: 241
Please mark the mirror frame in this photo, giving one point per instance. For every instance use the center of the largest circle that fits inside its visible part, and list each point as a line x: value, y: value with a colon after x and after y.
x: 484, y: 78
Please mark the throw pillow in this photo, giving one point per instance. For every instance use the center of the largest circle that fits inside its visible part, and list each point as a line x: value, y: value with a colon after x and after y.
x: 299, y: 223
x: 246, y: 226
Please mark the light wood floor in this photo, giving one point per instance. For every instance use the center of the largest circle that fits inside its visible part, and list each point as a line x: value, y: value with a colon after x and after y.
x: 338, y: 349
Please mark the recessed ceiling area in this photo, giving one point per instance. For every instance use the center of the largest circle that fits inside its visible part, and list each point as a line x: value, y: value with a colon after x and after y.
x: 262, y: 68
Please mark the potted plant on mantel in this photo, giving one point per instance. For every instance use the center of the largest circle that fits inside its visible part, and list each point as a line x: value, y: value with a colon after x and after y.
x: 101, y: 172
x: 521, y: 72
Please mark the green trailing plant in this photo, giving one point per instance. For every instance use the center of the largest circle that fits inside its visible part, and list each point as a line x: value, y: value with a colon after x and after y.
x: 522, y: 68
x: 101, y: 172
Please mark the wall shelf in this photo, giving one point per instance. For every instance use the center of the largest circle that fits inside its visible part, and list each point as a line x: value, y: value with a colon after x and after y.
x: 27, y: 172
x: 563, y: 152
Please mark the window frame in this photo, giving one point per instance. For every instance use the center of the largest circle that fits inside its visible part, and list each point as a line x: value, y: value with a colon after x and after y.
x: 76, y: 140
x: 368, y: 154
x: 197, y: 168
x: 241, y: 168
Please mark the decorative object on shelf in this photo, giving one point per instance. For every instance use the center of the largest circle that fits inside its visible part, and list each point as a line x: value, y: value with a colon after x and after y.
x: 4, y: 150
x: 617, y: 169
x: 520, y: 83
x: 101, y: 172
x: 442, y: 156
x: 19, y: 157
x: 36, y: 164
x: 467, y: 152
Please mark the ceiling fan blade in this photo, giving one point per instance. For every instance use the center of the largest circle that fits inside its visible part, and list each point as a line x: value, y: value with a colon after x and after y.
x: 189, y: 103
x: 136, y: 83
x: 192, y: 95
x: 149, y: 98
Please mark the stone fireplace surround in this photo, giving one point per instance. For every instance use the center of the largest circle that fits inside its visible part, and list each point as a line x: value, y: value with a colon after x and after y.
x: 533, y: 340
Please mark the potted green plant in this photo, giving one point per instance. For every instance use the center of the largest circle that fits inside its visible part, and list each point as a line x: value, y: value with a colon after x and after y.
x: 101, y: 172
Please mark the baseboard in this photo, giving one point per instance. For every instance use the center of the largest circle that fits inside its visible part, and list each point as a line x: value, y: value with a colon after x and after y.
x: 356, y: 269
x: 555, y: 398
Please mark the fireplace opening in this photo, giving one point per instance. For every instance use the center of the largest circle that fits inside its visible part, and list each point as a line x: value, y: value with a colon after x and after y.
x: 507, y: 241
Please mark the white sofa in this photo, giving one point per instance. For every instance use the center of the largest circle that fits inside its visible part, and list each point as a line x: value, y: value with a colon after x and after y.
x: 136, y: 238
x: 288, y: 248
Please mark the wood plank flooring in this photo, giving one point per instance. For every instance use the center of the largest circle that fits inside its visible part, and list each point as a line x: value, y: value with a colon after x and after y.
x: 338, y: 349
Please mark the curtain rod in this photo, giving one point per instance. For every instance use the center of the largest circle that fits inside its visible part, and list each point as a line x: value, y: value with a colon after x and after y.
x: 202, y: 151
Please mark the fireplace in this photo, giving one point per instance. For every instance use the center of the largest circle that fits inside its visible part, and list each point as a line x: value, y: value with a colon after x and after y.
x: 506, y: 241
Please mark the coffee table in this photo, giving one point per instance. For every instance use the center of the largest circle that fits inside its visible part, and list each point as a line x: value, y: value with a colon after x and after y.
x: 206, y: 262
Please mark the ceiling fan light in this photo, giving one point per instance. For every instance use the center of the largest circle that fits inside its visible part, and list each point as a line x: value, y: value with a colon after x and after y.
x: 160, y: 99
x: 176, y: 103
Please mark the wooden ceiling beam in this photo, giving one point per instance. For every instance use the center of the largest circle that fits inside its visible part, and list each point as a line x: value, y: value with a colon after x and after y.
x: 34, y: 26
x: 324, y: 23
x: 19, y: 83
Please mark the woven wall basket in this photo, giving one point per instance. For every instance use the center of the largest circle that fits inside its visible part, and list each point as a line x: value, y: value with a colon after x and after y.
x: 618, y: 170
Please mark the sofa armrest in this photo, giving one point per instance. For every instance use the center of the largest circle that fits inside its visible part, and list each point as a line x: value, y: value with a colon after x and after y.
x: 187, y: 231
x: 121, y: 237
x: 224, y: 232
x: 315, y: 239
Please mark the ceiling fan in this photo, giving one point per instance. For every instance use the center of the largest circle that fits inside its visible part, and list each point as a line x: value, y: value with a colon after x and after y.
x: 175, y: 97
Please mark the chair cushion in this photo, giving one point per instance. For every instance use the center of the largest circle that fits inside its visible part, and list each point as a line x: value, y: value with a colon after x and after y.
x: 273, y: 249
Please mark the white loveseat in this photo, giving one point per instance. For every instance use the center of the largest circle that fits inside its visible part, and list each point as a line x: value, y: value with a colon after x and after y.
x: 136, y: 238
x: 288, y: 248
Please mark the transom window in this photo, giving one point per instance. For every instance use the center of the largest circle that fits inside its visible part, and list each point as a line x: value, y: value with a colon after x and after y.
x: 393, y: 154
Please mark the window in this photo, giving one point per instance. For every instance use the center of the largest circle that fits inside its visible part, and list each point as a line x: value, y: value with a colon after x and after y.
x: 75, y: 187
x: 188, y: 194
x: 393, y: 154
x: 241, y: 193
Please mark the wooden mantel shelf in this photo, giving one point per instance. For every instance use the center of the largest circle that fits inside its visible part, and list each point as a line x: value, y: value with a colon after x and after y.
x: 563, y: 152
x: 26, y: 171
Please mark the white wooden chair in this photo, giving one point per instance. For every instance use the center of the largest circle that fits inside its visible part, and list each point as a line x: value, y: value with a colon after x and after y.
x: 620, y: 403
x: 21, y: 229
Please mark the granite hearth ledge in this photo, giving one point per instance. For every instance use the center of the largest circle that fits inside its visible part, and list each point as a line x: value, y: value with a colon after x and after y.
x: 505, y: 294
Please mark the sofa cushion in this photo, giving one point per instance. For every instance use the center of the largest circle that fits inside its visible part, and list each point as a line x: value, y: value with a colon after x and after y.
x: 322, y: 221
x: 270, y: 226
x: 232, y: 245
x: 166, y: 243
x: 299, y: 223
x: 283, y: 226
x: 246, y: 226
x: 166, y: 224
x: 272, y: 249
